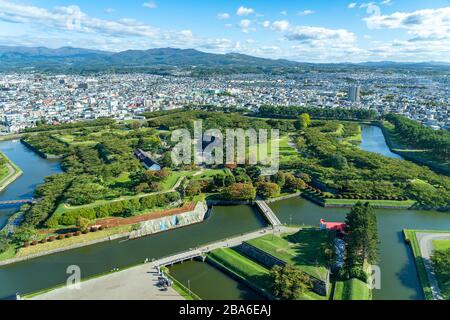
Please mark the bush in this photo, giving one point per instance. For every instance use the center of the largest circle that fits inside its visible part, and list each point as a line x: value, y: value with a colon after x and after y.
x: 44, y: 240
x: 34, y: 242
x: 69, y: 235
x: 61, y: 237
x: 51, y: 239
x: 78, y: 233
x: 26, y: 244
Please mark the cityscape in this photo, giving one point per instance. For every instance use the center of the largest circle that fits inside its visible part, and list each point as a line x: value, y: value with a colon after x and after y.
x: 250, y: 153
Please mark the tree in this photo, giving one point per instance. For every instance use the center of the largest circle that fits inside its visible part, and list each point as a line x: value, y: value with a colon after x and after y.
x: 303, y: 121
x: 193, y: 188
x: 23, y: 234
x: 82, y: 223
x: 337, y: 161
x: 166, y: 160
x: 293, y: 183
x: 240, y: 191
x: 289, y: 282
x: 280, y: 179
x: 268, y: 190
x: 362, y: 238
x: 4, y: 243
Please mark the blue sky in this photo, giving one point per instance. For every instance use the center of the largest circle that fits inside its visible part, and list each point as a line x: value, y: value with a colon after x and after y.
x: 301, y: 30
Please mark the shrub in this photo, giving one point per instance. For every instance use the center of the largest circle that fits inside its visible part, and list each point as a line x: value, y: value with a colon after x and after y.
x: 44, y: 240
x: 69, y: 235
x: 51, y: 239
x: 26, y: 244
x: 33, y: 243
x: 78, y: 233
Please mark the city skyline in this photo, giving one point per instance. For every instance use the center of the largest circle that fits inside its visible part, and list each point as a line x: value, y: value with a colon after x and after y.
x: 307, y: 31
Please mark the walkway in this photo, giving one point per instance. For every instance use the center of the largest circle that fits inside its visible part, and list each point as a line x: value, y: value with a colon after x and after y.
x: 268, y: 213
x: 426, y: 249
x: 140, y: 282
x: 13, y: 174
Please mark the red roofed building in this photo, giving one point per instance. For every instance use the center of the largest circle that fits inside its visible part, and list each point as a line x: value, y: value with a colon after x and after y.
x: 335, y: 226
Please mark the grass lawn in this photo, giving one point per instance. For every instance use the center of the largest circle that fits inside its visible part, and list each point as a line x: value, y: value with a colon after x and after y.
x: 171, y: 180
x: 250, y: 271
x: 410, y: 236
x: 441, y: 245
x: 375, y: 203
x: 304, y: 249
x: 57, y: 244
x: 243, y: 267
x: 353, y: 289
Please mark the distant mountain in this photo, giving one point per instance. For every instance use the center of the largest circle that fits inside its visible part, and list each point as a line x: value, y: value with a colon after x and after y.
x: 162, y: 60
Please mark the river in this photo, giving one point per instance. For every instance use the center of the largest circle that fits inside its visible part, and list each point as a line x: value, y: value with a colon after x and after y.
x: 34, y: 168
x: 373, y: 140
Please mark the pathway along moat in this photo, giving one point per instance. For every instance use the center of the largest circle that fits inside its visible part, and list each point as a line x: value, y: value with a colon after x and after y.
x: 398, y: 274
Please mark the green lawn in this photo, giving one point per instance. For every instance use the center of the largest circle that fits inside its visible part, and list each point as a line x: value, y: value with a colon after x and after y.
x: 304, y: 249
x: 170, y: 182
x: 441, y: 245
x: 410, y: 236
x: 243, y: 267
x: 353, y: 289
x: 250, y: 271
x: 376, y: 203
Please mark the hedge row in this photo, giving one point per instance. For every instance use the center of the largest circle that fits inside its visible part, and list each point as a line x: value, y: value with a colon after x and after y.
x: 122, y: 208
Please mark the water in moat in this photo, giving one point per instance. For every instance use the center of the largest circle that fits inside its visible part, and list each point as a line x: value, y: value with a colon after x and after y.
x: 34, y: 168
x: 209, y: 283
x: 48, y: 271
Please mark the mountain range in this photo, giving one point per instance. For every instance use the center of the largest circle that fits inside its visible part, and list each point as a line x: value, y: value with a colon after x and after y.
x: 162, y: 60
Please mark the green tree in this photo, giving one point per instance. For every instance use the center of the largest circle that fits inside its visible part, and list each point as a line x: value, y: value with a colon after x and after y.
x: 193, y: 188
x: 289, y: 282
x: 293, y: 183
x: 82, y: 223
x: 240, y: 191
x: 362, y: 238
x: 267, y: 190
x: 303, y: 121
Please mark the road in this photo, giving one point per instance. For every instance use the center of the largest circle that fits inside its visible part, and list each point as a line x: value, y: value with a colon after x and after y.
x: 426, y: 249
x: 139, y: 283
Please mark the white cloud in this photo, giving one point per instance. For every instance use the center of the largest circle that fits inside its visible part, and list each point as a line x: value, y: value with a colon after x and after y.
x: 281, y: 25
x: 245, y: 23
x: 306, y: 12
x: 428, y: 23
x: 386, y: 2
x: 110, y: 10
x: 150, y: 5
x: 284, y: 13
x: 352, y: 5
x: 266, y: 24
x: 223, y: 16
x: 318, y: 36
x: 243, y: 11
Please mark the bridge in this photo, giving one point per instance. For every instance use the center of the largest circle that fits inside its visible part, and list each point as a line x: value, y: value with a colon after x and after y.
x: 140, y: 282
x: 21, y: 201
x: 268, y: 213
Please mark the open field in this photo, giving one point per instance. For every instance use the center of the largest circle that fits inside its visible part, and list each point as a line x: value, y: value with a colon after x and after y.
x: 353, y: 289
x: 441, y: 245
x: 304, y: 249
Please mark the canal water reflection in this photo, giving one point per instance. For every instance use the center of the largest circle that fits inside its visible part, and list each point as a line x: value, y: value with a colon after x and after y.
x: 34, y: 168
x: 49, y: 271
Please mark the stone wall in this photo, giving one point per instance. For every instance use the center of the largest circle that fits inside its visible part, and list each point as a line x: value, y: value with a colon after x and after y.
x: 320, y: 286
x: 170, y: 222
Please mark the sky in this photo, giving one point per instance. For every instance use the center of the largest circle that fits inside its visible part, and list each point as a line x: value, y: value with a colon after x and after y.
x: 300, y: 30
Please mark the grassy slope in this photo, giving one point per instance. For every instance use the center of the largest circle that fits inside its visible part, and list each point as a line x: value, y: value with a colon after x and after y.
x: 410, y: 235
x: 301, y: 249
x: 441, y: 245
x: 353, y: 289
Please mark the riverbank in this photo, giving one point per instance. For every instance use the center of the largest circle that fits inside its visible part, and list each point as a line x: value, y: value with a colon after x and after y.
x: 136, y: 228
x: 14, y: 173
x: 349, y: 203
x: 422, y: 252
x: 409, y: 154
